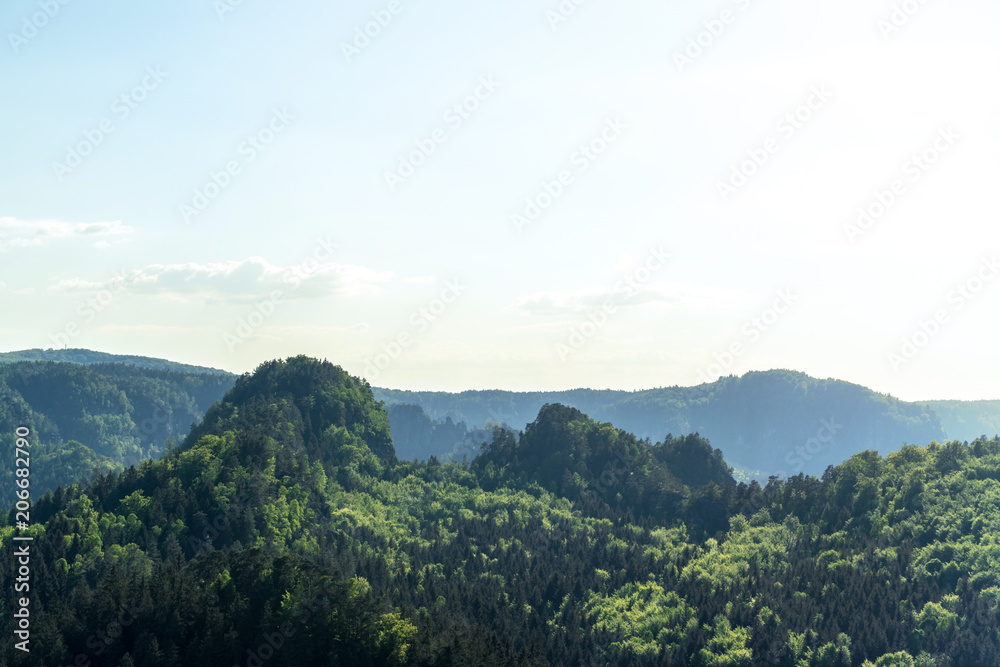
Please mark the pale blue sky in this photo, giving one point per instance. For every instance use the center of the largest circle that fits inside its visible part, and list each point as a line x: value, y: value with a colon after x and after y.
x: 671, y: 134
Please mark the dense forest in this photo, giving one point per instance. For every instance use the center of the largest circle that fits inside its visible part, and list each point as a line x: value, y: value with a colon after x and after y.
x: 96, y: 417
x: 284, y: 530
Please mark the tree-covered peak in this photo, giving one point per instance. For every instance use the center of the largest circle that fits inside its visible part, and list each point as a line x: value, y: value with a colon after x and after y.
x: 603, y: 469
x: 302, y: 401
x: 693, y: 461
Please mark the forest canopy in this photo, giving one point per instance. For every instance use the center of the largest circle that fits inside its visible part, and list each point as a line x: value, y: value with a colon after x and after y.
x: 284, y: 524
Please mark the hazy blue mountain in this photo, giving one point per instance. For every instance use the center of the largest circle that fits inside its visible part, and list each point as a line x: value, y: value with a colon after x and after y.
x: 775, y: 422
x: 417, y: 436
x: 81, y: 356
x: 967, y: 420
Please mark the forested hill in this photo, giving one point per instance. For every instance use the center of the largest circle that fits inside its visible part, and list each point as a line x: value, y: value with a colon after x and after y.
x: 325, y: 408
x: 82, y: 356
x: 103, y: 416
x: 283, y: 531
x: 776, y: 422
x: 769, y: 422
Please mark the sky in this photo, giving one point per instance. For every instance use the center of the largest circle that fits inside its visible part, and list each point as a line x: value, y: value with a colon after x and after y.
x: 519, y: 195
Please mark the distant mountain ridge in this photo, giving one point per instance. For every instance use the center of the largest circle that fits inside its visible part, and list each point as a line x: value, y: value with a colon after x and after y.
x: 967, y: 420
x: 96, y: 416
x: 87, y: 357
x: 776, y: 422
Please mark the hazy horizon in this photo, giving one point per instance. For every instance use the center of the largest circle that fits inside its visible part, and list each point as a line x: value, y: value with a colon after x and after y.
x: 542, y: 389
x: 514, y: 195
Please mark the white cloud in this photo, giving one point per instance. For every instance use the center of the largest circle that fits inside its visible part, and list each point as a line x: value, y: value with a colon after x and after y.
x: 5, y: 288
x: 151, y: 328
x: 118, y: 280
x: 239, y: 281
x: 286, y: 332
x: 16, y: 233
x: 665, y: 295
